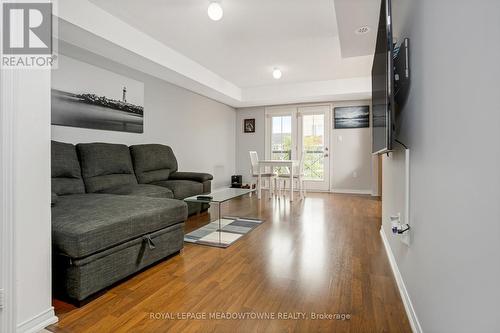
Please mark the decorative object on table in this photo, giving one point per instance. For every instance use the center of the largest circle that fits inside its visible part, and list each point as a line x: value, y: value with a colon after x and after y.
x: 236, y: 181
x: 249, y: 125
x: 87, y: 96
x: 351, y: 117
x: 205, y: 197
x: 230, y: 230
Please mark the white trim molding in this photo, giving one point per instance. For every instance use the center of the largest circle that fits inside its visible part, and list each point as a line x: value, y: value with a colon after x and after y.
x: 14, y: 108
x: 350, y: 191
x: 7, y: 312
x: 405, y: 296
x: 7, y: 272
x: 38, y: 322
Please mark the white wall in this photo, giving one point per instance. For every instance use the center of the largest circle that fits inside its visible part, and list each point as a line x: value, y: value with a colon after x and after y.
x: 451, y: 124
x: 201, y: 131
x: 249, y: 141
x: 352, y: 154
x: 351, y: 163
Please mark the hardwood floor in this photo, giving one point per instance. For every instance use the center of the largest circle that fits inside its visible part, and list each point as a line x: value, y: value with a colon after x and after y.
x: 320, y: 255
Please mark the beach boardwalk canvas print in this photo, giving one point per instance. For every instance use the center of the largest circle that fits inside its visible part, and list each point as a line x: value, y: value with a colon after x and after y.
x: 351, y: 117
x: 87, y: 96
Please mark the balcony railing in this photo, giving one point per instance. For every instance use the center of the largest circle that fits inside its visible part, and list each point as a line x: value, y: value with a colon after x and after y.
x: 313, y: 162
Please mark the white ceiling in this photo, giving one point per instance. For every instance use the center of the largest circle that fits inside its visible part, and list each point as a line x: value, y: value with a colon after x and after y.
x: 231, y: 61
x: 299, y: 36
x: 351, y: 15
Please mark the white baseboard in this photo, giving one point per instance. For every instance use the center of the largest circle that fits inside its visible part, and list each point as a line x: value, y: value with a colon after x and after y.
x: 410, y: 311
x: 38, y: 322
x: 350, y: 191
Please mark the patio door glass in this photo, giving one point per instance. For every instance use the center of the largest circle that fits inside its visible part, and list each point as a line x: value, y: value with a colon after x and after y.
x: 313, y: 142
x: 281, y: 138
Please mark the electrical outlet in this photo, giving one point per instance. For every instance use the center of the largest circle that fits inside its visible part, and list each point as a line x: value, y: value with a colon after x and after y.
x: 355, y: 174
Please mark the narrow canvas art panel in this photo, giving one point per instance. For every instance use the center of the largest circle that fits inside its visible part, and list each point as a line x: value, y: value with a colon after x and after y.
x: 351, y: 117
x: 87, y: 96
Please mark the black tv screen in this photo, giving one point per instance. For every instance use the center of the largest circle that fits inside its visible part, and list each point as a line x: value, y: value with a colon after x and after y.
x: 382, y: 83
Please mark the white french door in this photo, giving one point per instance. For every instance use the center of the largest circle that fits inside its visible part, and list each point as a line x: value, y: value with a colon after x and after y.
x: 313, y: 137
x: 281, y: 138
x: 293, y: 130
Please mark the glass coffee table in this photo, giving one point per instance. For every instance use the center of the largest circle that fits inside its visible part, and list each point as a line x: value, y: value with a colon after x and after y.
x: 219, y: 196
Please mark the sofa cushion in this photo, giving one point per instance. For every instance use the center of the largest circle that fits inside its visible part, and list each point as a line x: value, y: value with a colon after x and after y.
x: 153, y: 162
x: 65, y: 169
x: 194, y: 176
x: 182, y: 188
x: 105, y: 166
x: 143, y: 190
x: 83, y: 224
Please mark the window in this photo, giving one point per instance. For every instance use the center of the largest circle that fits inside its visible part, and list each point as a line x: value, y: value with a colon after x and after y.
x: 313, y: 144
x: 281, y: 139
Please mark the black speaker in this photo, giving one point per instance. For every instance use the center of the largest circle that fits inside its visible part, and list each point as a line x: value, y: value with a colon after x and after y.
x: 236, y: 181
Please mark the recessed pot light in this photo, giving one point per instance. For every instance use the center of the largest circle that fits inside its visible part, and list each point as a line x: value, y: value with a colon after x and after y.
x: 277, y: 73
x: 362, y: 30
x: 215, y: 11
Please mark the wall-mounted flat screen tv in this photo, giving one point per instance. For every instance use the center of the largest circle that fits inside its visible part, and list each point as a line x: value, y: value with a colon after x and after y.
x: 382, y: 84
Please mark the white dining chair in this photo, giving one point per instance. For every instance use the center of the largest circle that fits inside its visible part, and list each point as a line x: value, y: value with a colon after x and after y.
x: 298, y: 177
x: 254, y: 162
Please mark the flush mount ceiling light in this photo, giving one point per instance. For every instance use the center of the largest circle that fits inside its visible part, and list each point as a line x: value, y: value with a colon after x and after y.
x: 362, y: 30
x: 277, y: 73
x: 215, y: 11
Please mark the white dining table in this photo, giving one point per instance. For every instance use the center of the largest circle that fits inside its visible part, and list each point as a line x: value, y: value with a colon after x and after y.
x: 291, y: 164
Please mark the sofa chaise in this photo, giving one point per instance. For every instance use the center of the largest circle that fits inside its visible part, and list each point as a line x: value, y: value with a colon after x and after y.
x: 110, y: 221
x: 157, y: 165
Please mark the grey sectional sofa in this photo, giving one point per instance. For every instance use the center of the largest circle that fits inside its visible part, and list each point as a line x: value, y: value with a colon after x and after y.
x: 116, y: 210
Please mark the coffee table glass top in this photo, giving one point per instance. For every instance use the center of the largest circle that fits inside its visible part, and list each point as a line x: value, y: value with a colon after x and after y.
x: 221, y: 195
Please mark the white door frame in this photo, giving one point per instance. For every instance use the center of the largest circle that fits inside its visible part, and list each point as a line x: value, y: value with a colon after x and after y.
x: 7, y: 271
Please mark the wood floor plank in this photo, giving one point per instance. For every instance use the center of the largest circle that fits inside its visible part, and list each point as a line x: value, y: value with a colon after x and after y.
x: 321, y: 255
